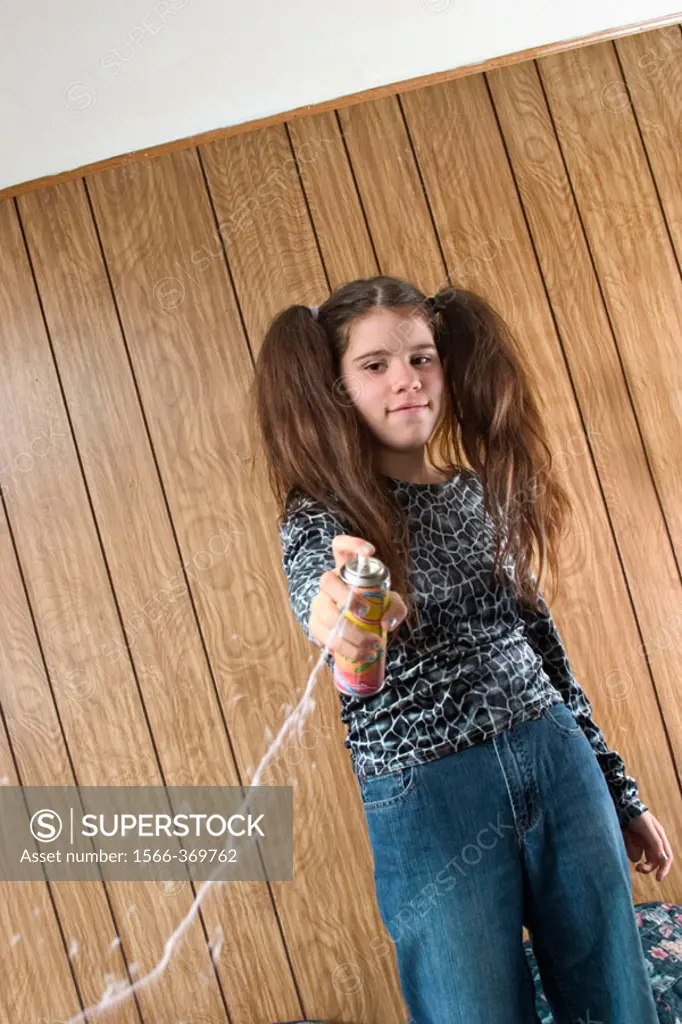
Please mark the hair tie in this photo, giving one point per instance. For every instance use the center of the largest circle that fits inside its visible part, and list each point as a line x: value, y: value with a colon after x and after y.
x: 313, y: 311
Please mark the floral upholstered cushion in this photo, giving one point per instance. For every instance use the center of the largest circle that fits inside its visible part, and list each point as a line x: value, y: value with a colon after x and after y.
x: 660, y: 929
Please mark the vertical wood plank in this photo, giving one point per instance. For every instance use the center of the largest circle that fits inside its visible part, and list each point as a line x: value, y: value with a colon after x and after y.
x: 29, y: 928
x: 650, y: 85
x: 630, y: 246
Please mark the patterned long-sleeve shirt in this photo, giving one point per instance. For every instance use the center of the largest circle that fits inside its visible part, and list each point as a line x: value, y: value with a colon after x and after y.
x: 478, y: 661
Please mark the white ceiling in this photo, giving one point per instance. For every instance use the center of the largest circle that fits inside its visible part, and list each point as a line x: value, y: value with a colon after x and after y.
x: 83, y: 80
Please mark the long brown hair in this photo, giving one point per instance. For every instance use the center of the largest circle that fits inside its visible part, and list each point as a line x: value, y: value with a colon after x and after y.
x: 315, y: 442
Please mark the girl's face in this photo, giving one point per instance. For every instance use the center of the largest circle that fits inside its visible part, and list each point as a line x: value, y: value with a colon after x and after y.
x: 392, y: 361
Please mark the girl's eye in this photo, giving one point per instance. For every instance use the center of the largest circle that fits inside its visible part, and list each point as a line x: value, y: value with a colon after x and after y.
x: 371, y: 365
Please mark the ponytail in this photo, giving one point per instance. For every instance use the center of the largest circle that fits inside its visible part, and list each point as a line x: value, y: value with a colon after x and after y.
x: 501, y: 435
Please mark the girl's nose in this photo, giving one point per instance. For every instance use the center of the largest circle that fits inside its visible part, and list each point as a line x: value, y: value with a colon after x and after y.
x: 406, y: 377
x: 407, y: 386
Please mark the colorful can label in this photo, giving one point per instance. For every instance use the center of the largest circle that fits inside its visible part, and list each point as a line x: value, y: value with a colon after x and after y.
x: 370, y: 578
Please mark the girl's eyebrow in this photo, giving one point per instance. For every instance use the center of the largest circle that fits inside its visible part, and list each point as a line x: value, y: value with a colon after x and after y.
x: 387, y: 352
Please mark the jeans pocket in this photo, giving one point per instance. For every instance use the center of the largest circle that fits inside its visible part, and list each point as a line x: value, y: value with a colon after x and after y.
x: 563, y: 720
x: 385, y: 790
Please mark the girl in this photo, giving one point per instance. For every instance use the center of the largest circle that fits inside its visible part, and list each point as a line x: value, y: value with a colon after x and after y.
x: 492, y: 800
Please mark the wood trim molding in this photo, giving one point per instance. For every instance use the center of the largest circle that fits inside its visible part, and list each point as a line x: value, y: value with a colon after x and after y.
x: 343, y: 101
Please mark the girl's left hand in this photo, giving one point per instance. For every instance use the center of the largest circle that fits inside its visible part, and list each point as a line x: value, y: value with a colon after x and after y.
x: 645, y: 834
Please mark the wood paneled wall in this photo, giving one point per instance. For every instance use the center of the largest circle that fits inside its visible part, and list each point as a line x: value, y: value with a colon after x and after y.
x: 132, y: 305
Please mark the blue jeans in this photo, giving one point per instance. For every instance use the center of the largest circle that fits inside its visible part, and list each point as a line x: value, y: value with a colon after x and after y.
x: 471, y: 847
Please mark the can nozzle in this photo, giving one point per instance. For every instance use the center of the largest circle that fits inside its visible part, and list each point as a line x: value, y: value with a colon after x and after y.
x: 363, y: 566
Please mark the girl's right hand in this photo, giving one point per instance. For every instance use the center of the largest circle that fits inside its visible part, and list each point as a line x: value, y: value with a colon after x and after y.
x: 353, y: 643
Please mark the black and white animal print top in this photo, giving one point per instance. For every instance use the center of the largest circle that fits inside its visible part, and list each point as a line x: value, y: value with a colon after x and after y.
x: 477, y: 663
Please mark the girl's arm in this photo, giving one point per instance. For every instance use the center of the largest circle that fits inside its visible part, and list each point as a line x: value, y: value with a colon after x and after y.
x: 306, y: 539
x: 544, y: 637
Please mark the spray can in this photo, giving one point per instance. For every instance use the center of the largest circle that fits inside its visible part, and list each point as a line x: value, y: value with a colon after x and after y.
x: 372, y: 579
